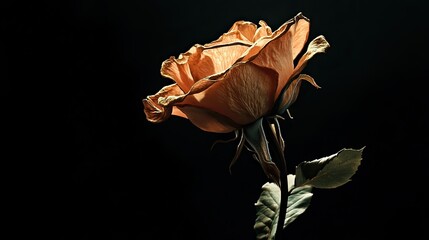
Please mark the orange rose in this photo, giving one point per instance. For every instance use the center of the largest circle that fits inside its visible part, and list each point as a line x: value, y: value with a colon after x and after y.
x: 246, y: 74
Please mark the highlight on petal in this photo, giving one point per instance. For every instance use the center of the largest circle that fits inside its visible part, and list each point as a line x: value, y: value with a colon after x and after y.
x: 153, y: 112
x: 156, y: 112
x: 241, y: 32
x: 263, y: 31
x: 229, y: 38
x: 178, y: 69
x: 317, y: 45
x: 201, y: 61
x: 299, y: 31
x: 245, y: 28
x: 219, y: 59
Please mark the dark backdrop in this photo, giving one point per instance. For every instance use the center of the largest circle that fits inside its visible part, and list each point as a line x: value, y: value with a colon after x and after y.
x: 81, y: 68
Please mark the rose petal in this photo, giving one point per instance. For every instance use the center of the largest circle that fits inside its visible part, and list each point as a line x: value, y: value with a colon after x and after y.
x: 247, y: 29
x: 291, y: 92
x: 302, y: 23
x: 244, y: 93
x: 216, y: 60
x: 318, y: 45
x: 156, y: 112
x: 262, y: 31
x: 277, y: 55
x: 177, y: 112
x: 153, y: 113
x: 203, y: 61
x: 168, y: 100
x: 300, y: 31
x: 178, y: 69
x: 279, y: 52
x: 232, y: 81
x: 234, y: 37
x: 207, y: 120
x: 291, y: 89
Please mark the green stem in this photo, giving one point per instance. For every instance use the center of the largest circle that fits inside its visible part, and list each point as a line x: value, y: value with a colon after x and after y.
x: 281, y: 164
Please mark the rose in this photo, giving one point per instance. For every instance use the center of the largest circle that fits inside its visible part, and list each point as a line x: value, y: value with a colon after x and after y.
x: 245, y: 74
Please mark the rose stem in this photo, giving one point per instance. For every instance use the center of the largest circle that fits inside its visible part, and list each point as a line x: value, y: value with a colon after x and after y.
x: 284, y: 191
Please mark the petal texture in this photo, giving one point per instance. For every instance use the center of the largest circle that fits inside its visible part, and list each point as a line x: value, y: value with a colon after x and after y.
x: 244, y: 93
x: 156, y: 112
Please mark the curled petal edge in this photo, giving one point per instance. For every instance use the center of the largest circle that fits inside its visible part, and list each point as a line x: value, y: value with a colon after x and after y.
x: 154, y: 111
x: 199, y: 86
x: 317, y: 45
x: 290, y: 94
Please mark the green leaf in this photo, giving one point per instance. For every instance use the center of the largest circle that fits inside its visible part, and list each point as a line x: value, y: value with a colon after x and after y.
x: 298, y: 201
x: 267, y: 208
x: 329, y: 172
x: 267, y: 212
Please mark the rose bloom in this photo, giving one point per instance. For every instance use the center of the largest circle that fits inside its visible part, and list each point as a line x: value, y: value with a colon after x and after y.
x: 245, y: 74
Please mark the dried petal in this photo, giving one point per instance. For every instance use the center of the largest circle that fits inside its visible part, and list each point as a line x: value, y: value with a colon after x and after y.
x: 244, y: 93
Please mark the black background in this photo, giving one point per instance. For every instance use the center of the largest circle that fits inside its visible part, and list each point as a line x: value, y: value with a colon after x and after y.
x: 73, y: 77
